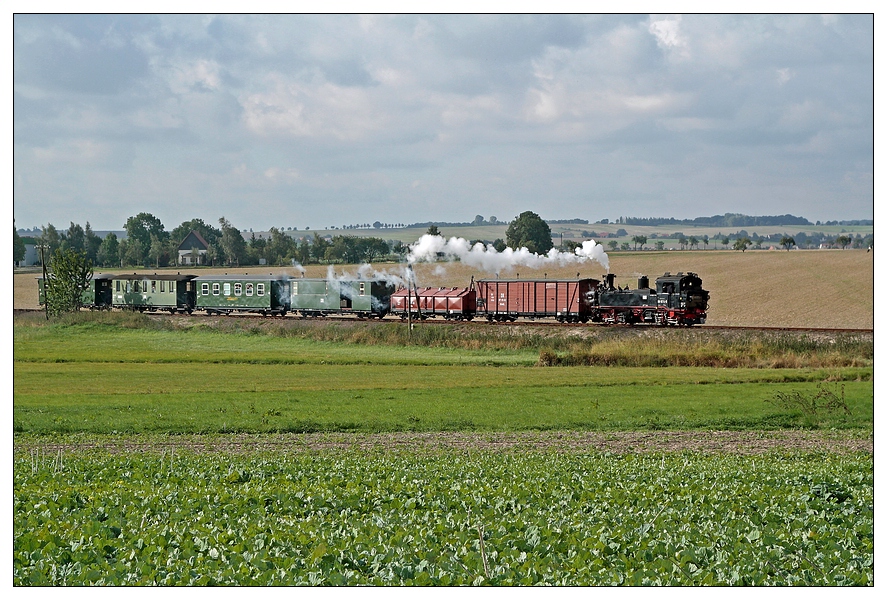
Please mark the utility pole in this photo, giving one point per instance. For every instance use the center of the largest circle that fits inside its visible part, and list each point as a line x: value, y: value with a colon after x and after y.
x: 43, y: 247
x: 410, y: 302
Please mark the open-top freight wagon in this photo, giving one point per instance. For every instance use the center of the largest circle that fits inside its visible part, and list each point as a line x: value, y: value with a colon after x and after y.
x: 459, y: 304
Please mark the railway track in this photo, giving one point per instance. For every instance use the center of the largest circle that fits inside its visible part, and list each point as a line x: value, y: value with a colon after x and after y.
x: 484, y: 323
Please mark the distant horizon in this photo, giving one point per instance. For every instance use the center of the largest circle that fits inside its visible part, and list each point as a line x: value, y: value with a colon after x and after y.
x: 425, y: 224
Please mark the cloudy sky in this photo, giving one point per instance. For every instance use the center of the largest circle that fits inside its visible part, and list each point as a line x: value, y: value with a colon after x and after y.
x: 330, y: 120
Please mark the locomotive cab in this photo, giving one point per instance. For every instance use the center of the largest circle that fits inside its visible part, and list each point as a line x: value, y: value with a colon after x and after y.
x: 684, y: 296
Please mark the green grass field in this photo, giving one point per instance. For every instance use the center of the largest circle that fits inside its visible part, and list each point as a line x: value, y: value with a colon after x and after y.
x: 97, y: 376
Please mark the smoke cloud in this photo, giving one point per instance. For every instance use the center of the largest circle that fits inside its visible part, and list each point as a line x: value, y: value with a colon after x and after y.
x: 430, y: 248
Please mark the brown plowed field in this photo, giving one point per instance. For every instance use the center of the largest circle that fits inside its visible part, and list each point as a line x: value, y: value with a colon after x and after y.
x: 733, y: 442
x: 757, y: 288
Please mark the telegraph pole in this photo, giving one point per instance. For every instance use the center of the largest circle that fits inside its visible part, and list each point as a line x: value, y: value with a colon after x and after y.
x: 43, y: 247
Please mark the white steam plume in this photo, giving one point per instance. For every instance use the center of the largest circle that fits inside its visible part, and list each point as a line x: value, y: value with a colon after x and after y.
x: 430, y: 248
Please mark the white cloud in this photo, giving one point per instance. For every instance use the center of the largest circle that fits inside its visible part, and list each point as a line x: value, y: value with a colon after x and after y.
x: 667, y: 31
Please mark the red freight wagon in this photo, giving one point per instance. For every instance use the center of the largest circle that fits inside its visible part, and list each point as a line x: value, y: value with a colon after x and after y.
x: 449, y: 303
x: 570, y: 300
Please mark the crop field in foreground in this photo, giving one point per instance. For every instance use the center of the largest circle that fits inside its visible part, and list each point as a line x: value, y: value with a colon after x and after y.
x: 398, y: 518
x: 240, y: 454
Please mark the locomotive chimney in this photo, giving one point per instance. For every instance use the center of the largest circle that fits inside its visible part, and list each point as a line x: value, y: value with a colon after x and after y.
x: 643, y: 282
x: 610, y: 278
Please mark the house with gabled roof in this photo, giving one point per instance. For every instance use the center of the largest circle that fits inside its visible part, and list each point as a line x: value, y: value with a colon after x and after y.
x: 192, y: 250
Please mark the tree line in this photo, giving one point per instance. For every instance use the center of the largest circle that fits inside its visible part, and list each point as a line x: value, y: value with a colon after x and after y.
x: 148, y: 244
x: 725, y: 220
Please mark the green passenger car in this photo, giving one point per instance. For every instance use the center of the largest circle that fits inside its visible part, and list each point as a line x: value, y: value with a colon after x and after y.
x: 147, y: 292
x: 361, y: 297
x: 264, y: 294
x: 96, y: 296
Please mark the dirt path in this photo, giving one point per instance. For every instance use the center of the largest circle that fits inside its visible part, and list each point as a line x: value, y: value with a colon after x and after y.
x: 733, y: 442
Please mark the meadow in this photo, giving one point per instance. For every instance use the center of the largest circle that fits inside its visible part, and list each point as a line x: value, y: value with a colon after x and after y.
x: 103, y: 373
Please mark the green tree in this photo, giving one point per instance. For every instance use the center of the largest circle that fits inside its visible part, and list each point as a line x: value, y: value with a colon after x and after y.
x: 108, y: 250
x: 92, y: 243
x: 303, y: 252
x: 51, y: 239
x: 281, y: 248
x: 660, y: 245
x: 134, y: 252
x: 373, y: 248
x: 18, y: 247
x: 683, y: 242
x: 69, y: 275
x: 742, y: 244
x: 613, y: 244
x: 725, y: 241
x: 843, y: 241
x: 639, y: 240
x: 232, y: 243
x: 318, y: 248
x: 140, y: 228
x: 787, y: 242
x: 529, y: 231
x: 499, y: 244
x: 157, y: 250
x: 693, y: 241
x: 705, y: 241
x: 74, y: 239
x: 433, y: 230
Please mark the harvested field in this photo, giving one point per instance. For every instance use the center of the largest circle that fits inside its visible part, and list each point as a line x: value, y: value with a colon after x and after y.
x: 798, y: 288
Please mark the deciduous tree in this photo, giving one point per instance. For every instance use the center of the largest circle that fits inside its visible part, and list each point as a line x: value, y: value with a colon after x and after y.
x: 529, y: 231
x: 70, y: 273
x: 18, y: 247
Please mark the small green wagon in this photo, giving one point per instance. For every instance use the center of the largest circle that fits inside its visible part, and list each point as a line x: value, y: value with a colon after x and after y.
x: 225, y: 294
x: 153, y: 292
x: 364, y: 298
x: 96, y: 296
